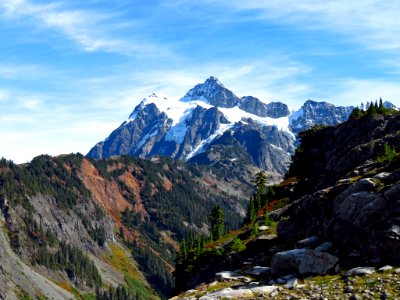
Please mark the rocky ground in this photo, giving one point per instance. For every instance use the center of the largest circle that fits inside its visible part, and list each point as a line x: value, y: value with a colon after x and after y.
x: 257, y: 283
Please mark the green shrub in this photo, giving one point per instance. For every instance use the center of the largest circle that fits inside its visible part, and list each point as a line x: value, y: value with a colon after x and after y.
x: 388, y: 154
x: 237, y: 245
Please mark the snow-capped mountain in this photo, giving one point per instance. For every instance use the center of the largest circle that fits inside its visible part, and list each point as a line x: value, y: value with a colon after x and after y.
x: 211, y: 125
x: 318, y: 113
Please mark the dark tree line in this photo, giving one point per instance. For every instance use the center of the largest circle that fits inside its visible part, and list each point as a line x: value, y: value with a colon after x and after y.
x: 259, y: 199
x: 72, y: 260
x: 370, y: 109
x: 118, y: 293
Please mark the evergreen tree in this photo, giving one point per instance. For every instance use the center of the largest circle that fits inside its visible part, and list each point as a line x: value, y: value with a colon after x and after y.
x: 381, y: 108
x: 217, y: 222
x: 372, y: 109
x: 199, y: 249
x: 191, y: 241
x: 356, y: 113
x: 260, y: 182
x: 251, y: 212
x: 267, y: 221
x: 257, y: 204
x: 183, y: 251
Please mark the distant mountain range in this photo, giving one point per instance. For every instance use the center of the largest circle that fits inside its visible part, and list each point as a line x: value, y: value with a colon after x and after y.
x: 211, y: 125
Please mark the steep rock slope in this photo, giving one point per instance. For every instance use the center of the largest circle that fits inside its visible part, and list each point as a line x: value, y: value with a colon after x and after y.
x: 348, y: 189
x: 59, y: 240
x: 86, y: 224
x: 211, y: 120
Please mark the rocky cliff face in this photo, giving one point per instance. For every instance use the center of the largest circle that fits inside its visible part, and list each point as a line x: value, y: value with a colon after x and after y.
x: 214, y: 92
x: 209, y: 121
x: 254, y: 106
x: 250, y: 144
x: 318, y: 113
x: 348, y: 188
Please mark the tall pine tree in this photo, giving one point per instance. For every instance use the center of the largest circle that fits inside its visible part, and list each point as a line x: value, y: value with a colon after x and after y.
x: 217, y: 222
x: 251, y: 212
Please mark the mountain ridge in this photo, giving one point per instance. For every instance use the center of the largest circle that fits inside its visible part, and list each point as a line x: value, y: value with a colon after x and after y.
x: 191, y: 126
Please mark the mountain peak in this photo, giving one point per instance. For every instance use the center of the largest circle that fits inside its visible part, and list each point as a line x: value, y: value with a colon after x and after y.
x: 212, y: 80
x: 213, y: 92
x: 158, y: 101
x: 310, y: 102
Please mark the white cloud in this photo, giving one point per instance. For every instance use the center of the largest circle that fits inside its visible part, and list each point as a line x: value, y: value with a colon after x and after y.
x: 4, y: 95
x: 271, y: 78
x: 32, y: 104
x: 354, y: 91
x: 14, y: 71
x: 91, y: 30
x: 374, y: 23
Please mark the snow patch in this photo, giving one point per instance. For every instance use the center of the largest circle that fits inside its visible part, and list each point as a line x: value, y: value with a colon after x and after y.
x: 202, y: 146
x: 201, y: 99
x: 236, y: 115
x: 276, y: 147
x: 178, y: 131
x: 144, y: 139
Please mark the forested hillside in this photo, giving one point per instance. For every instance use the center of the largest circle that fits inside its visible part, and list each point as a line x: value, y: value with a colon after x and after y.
x: 117, y: 222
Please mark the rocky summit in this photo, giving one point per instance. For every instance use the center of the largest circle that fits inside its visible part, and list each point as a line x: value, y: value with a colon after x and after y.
x: 211, y: 125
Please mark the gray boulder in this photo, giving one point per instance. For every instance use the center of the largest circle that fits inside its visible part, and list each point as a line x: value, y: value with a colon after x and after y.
x: 264, y: 290
x: 385, y: 268
x: 231, y: 276
x: 303, y: 261
x: 258, y: 270
x: 360, y: 271
x: 324, y: 247
x: 310, y: 242
x: 228, y: 293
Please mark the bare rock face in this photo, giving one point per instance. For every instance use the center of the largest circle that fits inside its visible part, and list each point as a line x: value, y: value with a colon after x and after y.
x: 303, y: 261
x: 153, y: 124
x: 277, y: 110
x: 254, y: 106
x: 357, y: 204
x: 265, y: 147
x: 318, y: 113
x: 214, y: 92
x: 345, y: 195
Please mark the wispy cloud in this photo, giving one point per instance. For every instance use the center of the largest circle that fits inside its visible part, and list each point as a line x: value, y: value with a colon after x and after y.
x: 4, y: 95
x: 354, y: 91
x: 21, y: 71
x: 90, y: 29
x: 374, y: 23
x: 270, y: 78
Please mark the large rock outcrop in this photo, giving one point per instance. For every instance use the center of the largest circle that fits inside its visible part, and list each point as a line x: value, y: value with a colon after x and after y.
x: 348, y: 192
x: 302, y: 261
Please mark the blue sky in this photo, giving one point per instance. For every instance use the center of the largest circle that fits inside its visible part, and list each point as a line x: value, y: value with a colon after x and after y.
x: 71, y: 71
